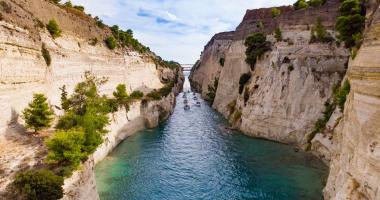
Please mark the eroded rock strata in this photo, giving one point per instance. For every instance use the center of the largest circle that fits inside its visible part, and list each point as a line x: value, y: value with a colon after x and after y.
x: 288, y: 87
x: 23, y: 72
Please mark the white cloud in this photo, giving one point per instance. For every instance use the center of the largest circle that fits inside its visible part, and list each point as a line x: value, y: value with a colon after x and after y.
x: 175, y: 29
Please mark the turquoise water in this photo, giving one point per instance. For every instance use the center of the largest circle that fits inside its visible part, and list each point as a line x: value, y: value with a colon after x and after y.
x: 194, y: 156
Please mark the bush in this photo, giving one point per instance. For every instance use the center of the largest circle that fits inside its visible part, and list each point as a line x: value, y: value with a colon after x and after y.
x: 212, y: 90
x: 136, y: 95
x: 341, y: 94
x: 94, y: 41
x: 37, y: 185
x: 275, y: 12
x: 46, y: 54
x: 155, y: 95
x: 351, y: 22
x: 244, y: 78
x: 319, y: 33
x: 278, y: 34
x: 80, y: 8
x: 256, y: 46
x: 53, y: 28
x: 121, y: 96
x: 111, y: 42
x: 65, y: 148
x: 99, y: 22
x: 300, y: 4
x: 38, y: 114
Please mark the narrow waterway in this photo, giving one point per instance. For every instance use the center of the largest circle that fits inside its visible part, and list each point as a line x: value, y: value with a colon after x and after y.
x: 194, y: 156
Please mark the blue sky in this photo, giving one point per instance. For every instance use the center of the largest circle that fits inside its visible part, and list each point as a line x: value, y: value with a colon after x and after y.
x: 175, y: 29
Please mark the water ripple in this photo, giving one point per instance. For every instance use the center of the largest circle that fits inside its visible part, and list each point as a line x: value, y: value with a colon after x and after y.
x: 193, y: 156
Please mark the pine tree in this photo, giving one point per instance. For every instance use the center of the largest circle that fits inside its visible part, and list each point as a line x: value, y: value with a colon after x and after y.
x: 38, y: 114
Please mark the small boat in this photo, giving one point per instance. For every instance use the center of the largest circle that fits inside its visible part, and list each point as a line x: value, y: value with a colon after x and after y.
x: 187, y: 107
x: 198, y: 104
x: 184, y: 95
x: 194, y: 93
x: 195, y: 98
x: 185, y: 101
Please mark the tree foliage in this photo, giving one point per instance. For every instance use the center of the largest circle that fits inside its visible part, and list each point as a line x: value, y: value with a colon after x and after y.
x: 256, y: 46
x: 66, y: 147
x: 304, y: 4
x: 275, y: 12
x: 37, y: 185
x: 212, y: 90
x: 319, y: 33
x: 53, y: 28
x: 351, y: 22
x: 278, y: 34
x: 111, y: 42
x: 46, y: 54
x: 38, y: 114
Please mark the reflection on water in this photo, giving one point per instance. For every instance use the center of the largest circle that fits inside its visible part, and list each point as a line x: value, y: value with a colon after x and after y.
x: 194, y: 156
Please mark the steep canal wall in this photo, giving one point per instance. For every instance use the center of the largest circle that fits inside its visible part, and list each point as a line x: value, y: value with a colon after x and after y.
x: 285, y: 95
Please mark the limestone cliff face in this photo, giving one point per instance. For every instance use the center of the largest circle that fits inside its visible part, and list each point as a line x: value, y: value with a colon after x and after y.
x: 289, y: 85
x: 355, y: 160
x: 23, y: 72
x: 82, y: 184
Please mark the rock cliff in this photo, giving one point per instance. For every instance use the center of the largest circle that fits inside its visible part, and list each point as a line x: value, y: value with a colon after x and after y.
x: 290, y: 84
x: 355, y: 159
x: 23, y: 72
x: 286, y: 92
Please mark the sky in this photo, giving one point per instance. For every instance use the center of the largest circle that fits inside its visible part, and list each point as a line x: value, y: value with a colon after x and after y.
x: 175, y: 29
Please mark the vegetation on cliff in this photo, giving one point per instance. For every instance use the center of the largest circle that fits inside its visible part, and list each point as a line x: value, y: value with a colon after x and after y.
x: 125, y: 39
x: 46, y: 54
x: 339, y: 99
x: 256, y: 45
x: 303, y: 4
x: 38, y: 185
x: 53, y: 28
x: 211, y: 93
x: 38, y: 114
x: 350, y: 24
x: 319, y: 33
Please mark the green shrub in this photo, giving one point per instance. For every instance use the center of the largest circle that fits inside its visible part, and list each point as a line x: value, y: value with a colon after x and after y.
x: 38, y: 114
x: 320, y: 125
x: 340, y: 94
x: 68, y: 4
x: 212, y: 90
x: 111, y: 42
x: 94, y: 41
x: 155, y: 95
x: 300, y: 4
x: 80, y: 8
x: 99, y: 22
x: 275, y: 12
x: 53, y: 28
x: 278, y: 34
x: 121, y: 96
x: 65, y: 148
x: 244, y: 78
x: 221, y: 61
x: 136, y: 95
x: 256, y: 46
x: 46, y: 54
x: 37, y: 185
x: 237, y: 116
x: 351, y: 22
x: 319, y: 33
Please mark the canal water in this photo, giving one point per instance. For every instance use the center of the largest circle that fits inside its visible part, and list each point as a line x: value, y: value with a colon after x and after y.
x: 194, y: 156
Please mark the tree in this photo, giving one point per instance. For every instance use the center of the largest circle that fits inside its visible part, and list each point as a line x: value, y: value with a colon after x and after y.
x: 64, y: 100
x: 66, y: 147
x: 278, y: 34
x: 300, y: 4
x: 111, y: 42
x: 38, y: 114
x: 37, y: 185
x: 256, y: 46
x: 121, y: 96
x: 53, y: 28
x: 275, y: 12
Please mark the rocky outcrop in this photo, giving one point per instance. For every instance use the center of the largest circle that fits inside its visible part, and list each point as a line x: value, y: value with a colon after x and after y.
x: 23, y: 72
x: 290, y: 84
x: 82, y: 184
x: 355, y: 160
